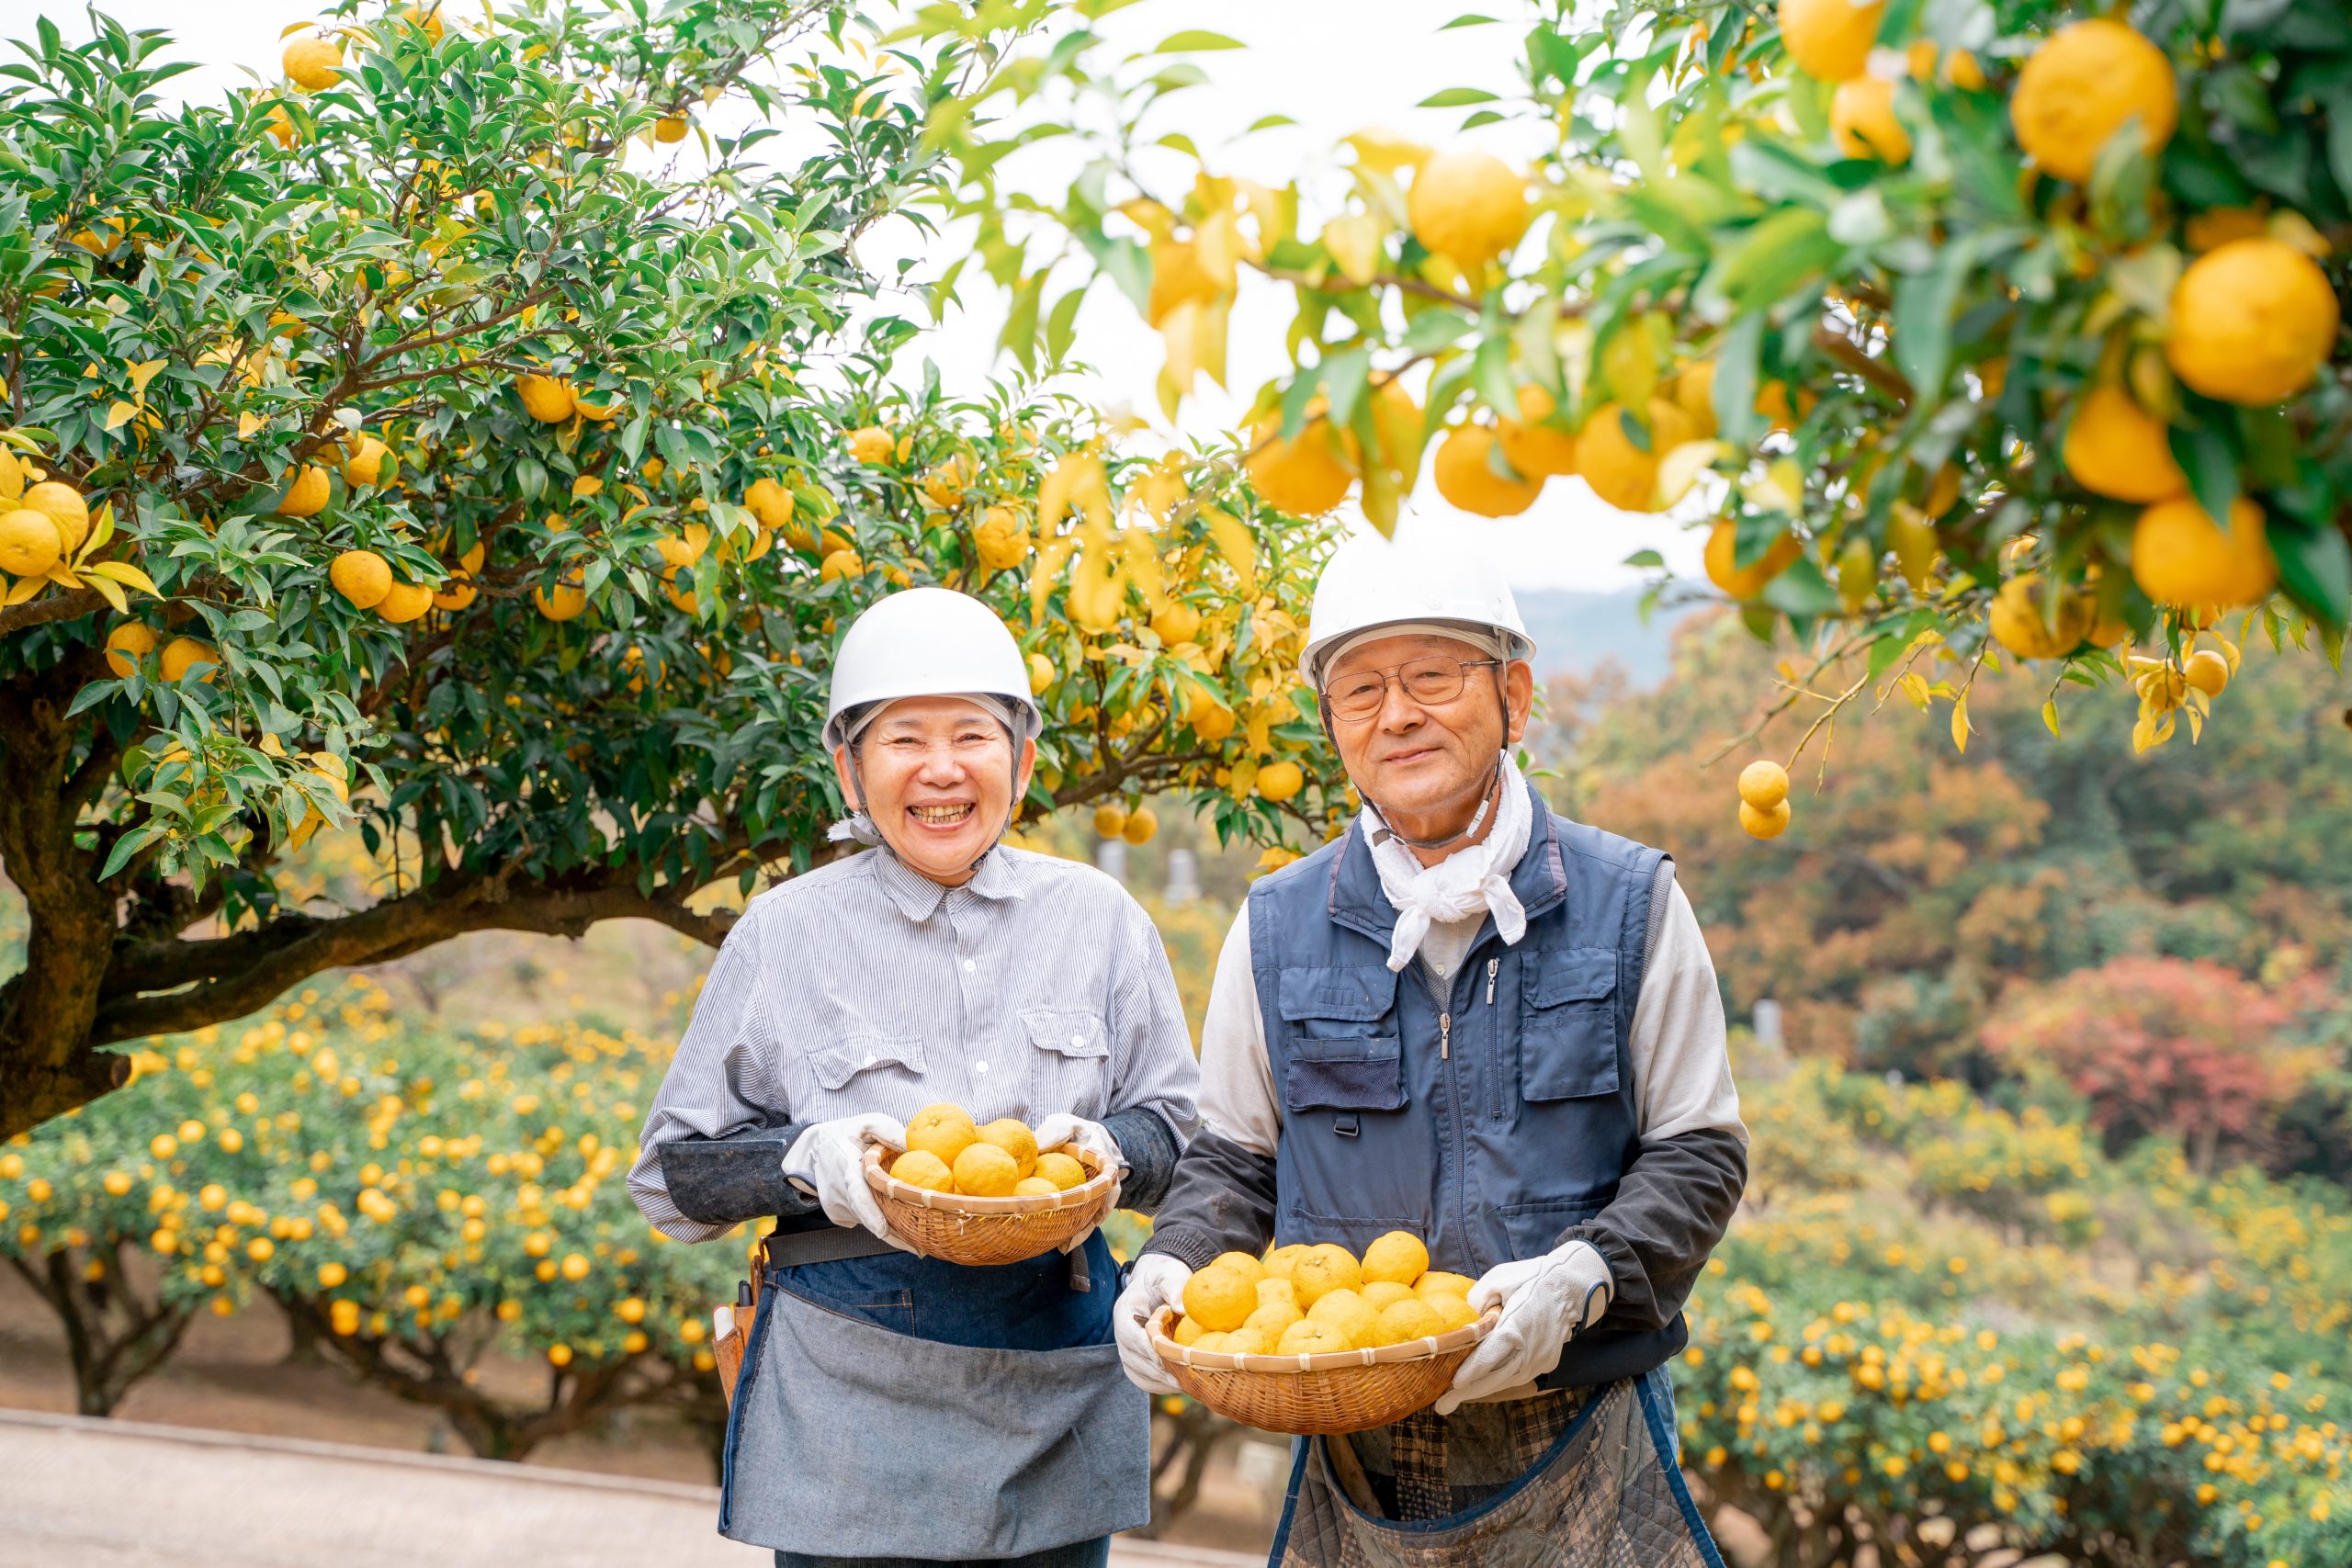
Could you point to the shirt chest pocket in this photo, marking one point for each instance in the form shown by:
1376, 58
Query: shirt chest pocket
1341, 1044
866, 1066
1069, 1061
1567, 1034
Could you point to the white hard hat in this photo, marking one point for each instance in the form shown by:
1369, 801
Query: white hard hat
928, 642
1371, 582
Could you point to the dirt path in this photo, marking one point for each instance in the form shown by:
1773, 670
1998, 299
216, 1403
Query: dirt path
77, 1493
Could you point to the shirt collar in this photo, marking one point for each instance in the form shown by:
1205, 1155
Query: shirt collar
917, 895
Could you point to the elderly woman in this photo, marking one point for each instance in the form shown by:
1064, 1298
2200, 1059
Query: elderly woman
891, 1407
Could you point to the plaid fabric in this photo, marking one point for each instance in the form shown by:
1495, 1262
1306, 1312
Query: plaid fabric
1430, 1466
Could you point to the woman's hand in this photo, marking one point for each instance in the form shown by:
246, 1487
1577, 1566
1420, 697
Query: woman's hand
827, 1161
1157, 1280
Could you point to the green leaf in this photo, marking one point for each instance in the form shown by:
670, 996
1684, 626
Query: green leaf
1923, 312
2209, 455
1649, 558
1468, 20
2315, 568
1457, 97
1433, 329
1195, 41
1344, 375
1268, 122
1734, 392
1802, 590
1061, 326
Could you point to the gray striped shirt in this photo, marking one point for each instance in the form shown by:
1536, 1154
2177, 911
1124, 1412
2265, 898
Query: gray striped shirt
1038, 986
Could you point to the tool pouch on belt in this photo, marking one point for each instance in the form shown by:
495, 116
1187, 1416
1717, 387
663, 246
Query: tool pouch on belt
732, 1326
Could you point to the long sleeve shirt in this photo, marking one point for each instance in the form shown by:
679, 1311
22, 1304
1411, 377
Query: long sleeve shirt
1038, 986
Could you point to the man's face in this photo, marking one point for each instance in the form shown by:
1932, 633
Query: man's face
1424, 761
939, 781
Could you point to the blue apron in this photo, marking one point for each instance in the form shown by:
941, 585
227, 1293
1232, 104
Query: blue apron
904, 1407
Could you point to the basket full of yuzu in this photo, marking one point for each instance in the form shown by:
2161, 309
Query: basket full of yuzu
978, 1194
1312, 1340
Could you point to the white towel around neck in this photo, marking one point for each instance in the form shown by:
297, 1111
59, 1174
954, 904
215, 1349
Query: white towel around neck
1469, 880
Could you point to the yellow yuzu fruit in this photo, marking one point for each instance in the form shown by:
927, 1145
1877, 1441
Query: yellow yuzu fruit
1251, 1269
1324, 1268
1015, 1138
1346, 1311
184, 653
1277, 1288
1041, 674
1830, 38
1247, 1341
1467, 206
872, 446
1745, 582
2251, 321
1063, 1170
311, 63
838, 565
1437, 1281
943, 1130
1453, 1310
1304, 476
1861, 118
1395, 1256
1035, 1186
2114, 447
1309, 1337
1211, 1339
1380, 1294
770, 502
1278, 781
671, 127
404, 602
306, 492
62, 505
1769, 824
1620, 472
1000, 538
562, 601
920, 1167
545, 397
1142, 823
1763, 784
29, 543
2018, 622
1110, 820
984, 1170
2081, 85
1410, 1319
2208, 671
1186, 1332
127, 644
365, 465
1534, 448
2180, 555
1270, 1318
1464, 479
362, 576
1282, 1260
1219, 1298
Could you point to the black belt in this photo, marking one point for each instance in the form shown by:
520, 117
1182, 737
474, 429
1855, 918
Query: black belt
789, 1249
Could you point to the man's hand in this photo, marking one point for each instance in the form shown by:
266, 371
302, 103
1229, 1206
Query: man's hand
827, 1161
1546, 1301
1157, 1280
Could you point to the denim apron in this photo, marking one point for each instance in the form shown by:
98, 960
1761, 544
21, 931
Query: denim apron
1610, 1492
904, 1407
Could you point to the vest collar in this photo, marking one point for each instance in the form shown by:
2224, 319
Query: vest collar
1356, 899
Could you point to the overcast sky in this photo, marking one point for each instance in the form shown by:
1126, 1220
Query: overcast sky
1335, 66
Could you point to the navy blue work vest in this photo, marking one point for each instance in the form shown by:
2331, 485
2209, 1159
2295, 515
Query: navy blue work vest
1485, 1121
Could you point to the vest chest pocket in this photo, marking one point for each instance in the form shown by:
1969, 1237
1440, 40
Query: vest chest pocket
1341, 1046
1568, 1036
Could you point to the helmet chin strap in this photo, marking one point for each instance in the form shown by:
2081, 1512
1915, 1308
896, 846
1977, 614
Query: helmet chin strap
1491, 794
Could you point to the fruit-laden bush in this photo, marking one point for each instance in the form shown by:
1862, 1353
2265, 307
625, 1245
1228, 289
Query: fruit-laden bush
419, 1201
1868, 1364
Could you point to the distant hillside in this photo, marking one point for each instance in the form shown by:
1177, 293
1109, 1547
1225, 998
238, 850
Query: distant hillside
1575, 630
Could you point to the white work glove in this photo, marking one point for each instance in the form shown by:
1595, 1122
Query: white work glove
1157, 1280
1546, 1301
828, 1162
1094, 1138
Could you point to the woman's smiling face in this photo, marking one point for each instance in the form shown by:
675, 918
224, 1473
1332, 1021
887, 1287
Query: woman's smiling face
940, 781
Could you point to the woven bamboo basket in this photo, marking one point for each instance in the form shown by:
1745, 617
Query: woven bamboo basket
988, 1230
1339, 1391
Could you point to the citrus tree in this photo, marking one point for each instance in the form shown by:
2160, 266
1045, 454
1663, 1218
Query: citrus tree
1971, 331
458, 441
423, 1204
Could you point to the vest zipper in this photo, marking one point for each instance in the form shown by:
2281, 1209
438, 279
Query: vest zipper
1492, 965
1444, 1036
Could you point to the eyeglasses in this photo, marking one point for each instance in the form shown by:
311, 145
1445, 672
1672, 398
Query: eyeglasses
1437, 678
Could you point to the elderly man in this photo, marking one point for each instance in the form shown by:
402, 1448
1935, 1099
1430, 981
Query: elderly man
1497, 1029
